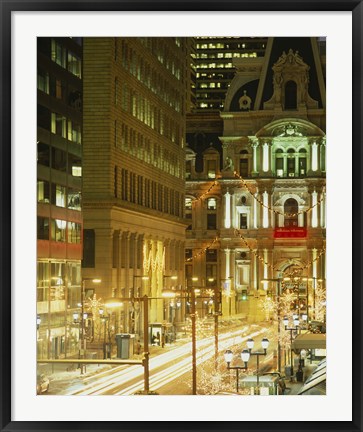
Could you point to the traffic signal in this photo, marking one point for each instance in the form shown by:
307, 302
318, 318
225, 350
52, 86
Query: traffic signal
244, 295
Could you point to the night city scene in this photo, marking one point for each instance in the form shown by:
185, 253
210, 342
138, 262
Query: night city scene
181, 216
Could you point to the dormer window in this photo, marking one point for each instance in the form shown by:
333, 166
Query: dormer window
211, 169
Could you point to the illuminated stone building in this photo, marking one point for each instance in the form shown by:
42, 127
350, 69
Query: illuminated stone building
255, 180
133, 177
59, 170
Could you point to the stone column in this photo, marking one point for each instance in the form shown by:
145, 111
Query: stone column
227, 210
255, 165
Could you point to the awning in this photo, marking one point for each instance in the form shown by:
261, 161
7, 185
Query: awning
316, 383
309, 341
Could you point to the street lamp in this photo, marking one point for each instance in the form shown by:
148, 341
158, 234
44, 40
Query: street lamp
245, 356
105, 319
83, 339
296, 323
250, 344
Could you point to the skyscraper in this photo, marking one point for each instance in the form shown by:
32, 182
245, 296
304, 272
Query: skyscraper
59, 171
133, 177
214, 66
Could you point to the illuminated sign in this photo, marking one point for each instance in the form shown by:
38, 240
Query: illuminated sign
290, 232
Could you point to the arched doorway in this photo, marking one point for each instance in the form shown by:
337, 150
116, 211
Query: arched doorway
291, 209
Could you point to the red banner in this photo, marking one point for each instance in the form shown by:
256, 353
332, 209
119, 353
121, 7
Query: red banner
290, 232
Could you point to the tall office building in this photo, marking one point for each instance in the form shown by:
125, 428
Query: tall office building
255, 182
59, 171
133, 176
214, 66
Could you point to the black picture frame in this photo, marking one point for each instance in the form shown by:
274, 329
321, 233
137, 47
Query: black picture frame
9, 6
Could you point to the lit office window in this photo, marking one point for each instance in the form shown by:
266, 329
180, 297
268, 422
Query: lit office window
74, 64
58, 230
58, 54
43, 81
74, 232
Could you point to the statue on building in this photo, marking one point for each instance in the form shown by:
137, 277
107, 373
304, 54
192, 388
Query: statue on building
228, 164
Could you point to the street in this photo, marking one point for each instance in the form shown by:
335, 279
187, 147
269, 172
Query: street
170, 371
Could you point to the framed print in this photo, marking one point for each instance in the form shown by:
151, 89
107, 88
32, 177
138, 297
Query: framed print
187, 225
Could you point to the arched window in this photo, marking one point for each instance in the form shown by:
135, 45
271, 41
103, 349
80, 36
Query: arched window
290, 95
291, 208
302, 163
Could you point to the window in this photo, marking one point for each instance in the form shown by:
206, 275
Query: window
57, 88
211, 274
302, 163
243, 221
115, 181
42, 228
188, 216
211, 204
59, 125
291, 163
43, 117
279, 163
188, 203
58, 228
211, 221
43, 191
291, 209
211, 169
59, 160
74, 199
74, 132
140, 189
43, 81
74, 232
74, 64
124, 184
243, 168
166, 200
59, 54
58, 195
74, 165
211, 255
43, 154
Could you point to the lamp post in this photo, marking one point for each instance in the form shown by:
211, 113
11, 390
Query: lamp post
296, 322
250, 344
83, 339
105, 320
245, 356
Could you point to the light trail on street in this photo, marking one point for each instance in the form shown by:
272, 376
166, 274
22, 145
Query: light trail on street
114, 382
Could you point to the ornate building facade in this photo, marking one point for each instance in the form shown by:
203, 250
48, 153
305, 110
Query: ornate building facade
255, 182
